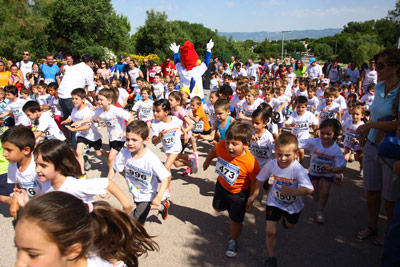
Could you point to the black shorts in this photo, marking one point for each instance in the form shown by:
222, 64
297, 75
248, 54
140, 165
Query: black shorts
95, 144
234, 203
275, 214
117, 145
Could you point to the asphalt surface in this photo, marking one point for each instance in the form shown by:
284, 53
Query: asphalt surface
195, 235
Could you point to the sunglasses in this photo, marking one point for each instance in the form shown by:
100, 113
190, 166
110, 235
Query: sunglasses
26, 54
380, 65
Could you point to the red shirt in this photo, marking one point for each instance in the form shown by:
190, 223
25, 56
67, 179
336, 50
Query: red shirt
167, 68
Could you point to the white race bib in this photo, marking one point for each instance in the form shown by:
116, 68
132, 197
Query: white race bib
318, 162
262, 152
198, 127
32, 188
227, 171
168, 139
138, 174
280, 198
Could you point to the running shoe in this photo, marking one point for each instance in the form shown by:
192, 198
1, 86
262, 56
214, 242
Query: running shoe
187, 172
231, 249
164, 212
339, 177
195, 163
264, 199
270, 262
86, 164
319, 217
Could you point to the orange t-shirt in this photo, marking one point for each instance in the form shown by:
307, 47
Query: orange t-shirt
4, 78
235, 173
203, 118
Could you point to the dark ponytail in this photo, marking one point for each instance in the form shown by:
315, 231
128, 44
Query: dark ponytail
265, 111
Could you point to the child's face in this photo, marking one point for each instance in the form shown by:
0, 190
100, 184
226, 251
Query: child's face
23, 95
138, 82
41, 90
250, 98
35, 90
329, 99
46, 171
357, 115
2, 97
221, 114
170, 87
173, 102
285, 155
278, 83
177, 80
326, 135
13, 154
167, 79
77, 101
372, 91
52, 92
194, 106
258, 124
114, 83
156, 79
145, 95
281, 91
35, 247
301, 108
311, 94
302, 87
213, 98
32, 115
135, 142
235, 148
103, 101
159, 113
352, 90
268, 96
239, 92
10, 96
252, 82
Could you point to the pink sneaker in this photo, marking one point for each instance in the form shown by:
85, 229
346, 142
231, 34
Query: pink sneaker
187, 172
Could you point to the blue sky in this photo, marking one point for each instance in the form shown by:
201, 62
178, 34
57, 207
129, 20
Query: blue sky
253, 15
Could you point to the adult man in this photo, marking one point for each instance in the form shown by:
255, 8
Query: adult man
262, 65
49, 69
119, 68
314, 70
167, 67
334, 72
353, 73
238, 70
232, 62
275, 67
145, 68
25, 65
251, 69
292, 63
77, 76
70, 62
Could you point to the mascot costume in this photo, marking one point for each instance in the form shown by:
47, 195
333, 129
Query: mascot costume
189, 70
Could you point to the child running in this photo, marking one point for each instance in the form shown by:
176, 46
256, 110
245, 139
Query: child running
143, 169
326, 160
290, 184
144, 107
237, 169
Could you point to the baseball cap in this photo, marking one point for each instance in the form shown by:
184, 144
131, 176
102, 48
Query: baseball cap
325, 81
185, 89
121, 56
312, 60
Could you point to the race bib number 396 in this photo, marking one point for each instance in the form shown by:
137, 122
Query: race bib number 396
227, 171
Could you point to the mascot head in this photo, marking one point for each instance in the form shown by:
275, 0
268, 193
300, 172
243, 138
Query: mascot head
189, 56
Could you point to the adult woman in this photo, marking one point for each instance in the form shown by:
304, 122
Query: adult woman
299, 69
368, 76
37, 75
3, 74
379, 179
15, 78
133, 73
103, 72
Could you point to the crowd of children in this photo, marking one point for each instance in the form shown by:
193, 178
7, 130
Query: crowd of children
259, 131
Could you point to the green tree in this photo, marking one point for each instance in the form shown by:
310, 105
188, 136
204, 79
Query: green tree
322, 51
365, 52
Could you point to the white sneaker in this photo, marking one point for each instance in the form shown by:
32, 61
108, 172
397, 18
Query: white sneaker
195, 163
231, 249
264, 199
319, 217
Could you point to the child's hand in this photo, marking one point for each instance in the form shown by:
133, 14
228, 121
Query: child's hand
254, 138
287, 190
63, 122
161, 134
185, 138
241, 116
249, 203
128, 209
205, 165
355, 140
156, 203
70, 128
327, 167
316, 133
22, 196
76, 124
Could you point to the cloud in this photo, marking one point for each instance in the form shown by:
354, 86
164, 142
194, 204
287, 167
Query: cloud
229, 4
274, 3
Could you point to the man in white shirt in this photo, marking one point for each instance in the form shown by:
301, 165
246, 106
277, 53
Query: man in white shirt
70, 62
314, 70
25, 65
238, 71
251, 69
353, 73
77, 76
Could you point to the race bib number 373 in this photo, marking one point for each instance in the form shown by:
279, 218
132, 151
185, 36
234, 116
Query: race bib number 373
227, 171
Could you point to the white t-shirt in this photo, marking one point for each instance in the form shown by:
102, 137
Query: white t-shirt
158, 89
144, 109
345, 117
313, 102
209, 109
300, 93
371, 76
95, 261
263, 148
55, 106
214, 85
320, 94
302, 129
27, 179
122, 95
237, 104
249, 109
334, 74
275, 104
367, 99
49, 127
294, 176
44, 100
349, 133
314, 71
341, 101
133, 75
142, 175
171, 141
15, 108
114, 119
325, 112
291, 77
84, 189
91, 134
354, 74
321, 155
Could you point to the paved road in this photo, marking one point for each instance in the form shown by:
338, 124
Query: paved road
195, 235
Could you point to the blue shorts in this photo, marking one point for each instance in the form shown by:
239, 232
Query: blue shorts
319, 177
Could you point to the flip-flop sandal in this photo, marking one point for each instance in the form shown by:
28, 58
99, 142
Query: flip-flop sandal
364, 234
379, 242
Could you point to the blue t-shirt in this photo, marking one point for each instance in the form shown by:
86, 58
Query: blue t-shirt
49, 72
381, 107
139, 97
120, 67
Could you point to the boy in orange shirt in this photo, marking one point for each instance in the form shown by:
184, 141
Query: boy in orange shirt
237, 169
201, 124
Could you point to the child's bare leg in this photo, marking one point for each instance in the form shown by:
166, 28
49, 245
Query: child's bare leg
301, 155
193, 140
271, 230
324, 194
235, 229
168, 164
347, 154
79, 155
359, 158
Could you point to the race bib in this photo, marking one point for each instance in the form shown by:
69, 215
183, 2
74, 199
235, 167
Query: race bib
227, 171
109, 123
349, 140
168, 139
49, 80
146, 111
138, 174
262, 152
281, 198
198, 127
32, 188
302, 125
327, 115
16, 112
317, 164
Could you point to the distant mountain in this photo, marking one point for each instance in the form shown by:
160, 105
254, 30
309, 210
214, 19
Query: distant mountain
260, 36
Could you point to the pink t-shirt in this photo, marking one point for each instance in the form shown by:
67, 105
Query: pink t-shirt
181, 114
104, 73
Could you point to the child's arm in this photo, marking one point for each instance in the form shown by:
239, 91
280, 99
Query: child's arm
5, 114
158, 198
81, 128
339, 116
210, 157
118, 194
282, 105
157, 139
252, 197
334, 170
189, 124
185, 135
68, 120
210, 136
301, 191
196, 119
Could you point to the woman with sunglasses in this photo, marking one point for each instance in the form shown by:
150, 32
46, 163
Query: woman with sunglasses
368, 76
379, 179
103, 71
